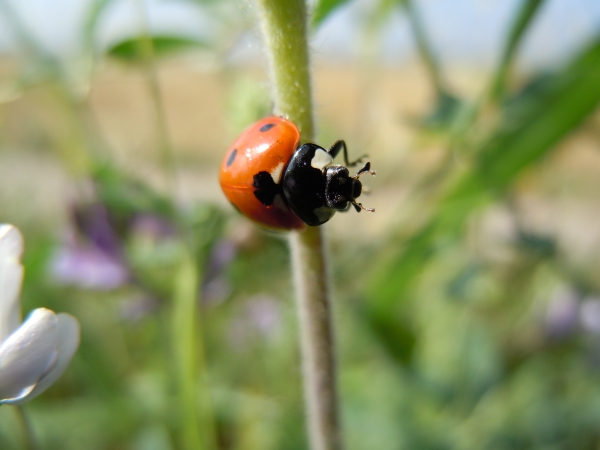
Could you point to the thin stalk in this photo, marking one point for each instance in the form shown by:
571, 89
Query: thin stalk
496, 88
317, 343
29, 440
148, 58
28, 43
84, 128
284, 26
424, 47
519, 26
197, 422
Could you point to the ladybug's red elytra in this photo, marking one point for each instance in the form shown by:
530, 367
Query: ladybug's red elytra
282, 185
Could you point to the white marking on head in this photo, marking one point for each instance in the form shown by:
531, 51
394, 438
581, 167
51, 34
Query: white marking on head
276, 173
321, 159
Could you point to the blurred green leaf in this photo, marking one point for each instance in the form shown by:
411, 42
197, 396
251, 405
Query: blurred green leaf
132, 49
324, 8
521, 23
541, 245
92, 20
126, 196
539, 120
445, 101
458, 286
531, 127
445, 111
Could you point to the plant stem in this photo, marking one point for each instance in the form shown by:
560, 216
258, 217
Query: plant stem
318, 356
190, 367
285, 31
284, 27
29, 441
148, 59
519, 26
496, 88
424, 47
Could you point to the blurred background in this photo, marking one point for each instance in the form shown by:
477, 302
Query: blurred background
467, 308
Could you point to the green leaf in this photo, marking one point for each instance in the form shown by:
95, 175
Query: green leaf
523, 19
444, 114
126, 196
533, 124
324, 8
536, 122
133, 49
94, 15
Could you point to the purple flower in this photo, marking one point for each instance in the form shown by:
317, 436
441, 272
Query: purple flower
152, 226
92, 221
260, 318
88, 267
589, 314
562, 313
216, 287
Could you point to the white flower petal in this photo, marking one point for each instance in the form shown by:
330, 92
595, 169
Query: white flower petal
68, 331
11, 277
11, 242
28, 355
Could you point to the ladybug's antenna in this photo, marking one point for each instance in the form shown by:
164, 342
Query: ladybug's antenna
359, 206
366, 169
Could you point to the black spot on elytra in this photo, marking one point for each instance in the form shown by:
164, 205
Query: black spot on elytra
266, 189
266, 127
231, 157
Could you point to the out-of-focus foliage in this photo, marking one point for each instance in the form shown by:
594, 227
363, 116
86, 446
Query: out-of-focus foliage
324, 8
466, 317
133, 49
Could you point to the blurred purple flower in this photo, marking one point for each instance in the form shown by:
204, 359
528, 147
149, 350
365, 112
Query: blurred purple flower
152, 226
133, 309
562, 313
216, 287
92, 221
91, 256
264, 315
589, 314
259, 317
88, 267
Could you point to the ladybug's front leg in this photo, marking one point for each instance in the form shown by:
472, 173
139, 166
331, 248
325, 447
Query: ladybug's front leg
341, 145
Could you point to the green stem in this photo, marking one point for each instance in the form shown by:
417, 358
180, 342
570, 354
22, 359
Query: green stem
25, 39
84, 131
285, 32
424, 47
190, 366
495, 91
519, 26
29, 441
148, 57
284, 27
318, 355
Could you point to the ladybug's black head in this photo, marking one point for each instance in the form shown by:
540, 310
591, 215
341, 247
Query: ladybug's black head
341, 189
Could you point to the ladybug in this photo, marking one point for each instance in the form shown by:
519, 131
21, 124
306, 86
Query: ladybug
279, 184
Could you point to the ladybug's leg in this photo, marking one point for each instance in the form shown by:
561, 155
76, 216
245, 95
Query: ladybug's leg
341, 145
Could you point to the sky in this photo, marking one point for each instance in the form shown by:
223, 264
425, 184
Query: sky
461, 31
